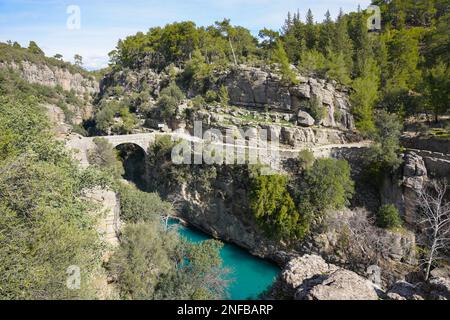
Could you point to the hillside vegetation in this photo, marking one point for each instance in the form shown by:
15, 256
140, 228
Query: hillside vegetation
403, 69
48, 225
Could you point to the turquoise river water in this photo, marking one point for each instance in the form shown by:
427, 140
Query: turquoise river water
250, 275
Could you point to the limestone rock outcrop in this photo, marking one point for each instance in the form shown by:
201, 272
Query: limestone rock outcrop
109, 223
304, 119
310, 277
437, 288
339, 285
262, 88
52, 76
419, 167
133, 81
403, 290
302, 268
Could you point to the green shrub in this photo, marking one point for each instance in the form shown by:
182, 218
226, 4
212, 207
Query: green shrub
306, 159
273, 207
169, 99
326, 185
152, 263
105, 157
211, 96
68, 114
168, 106
198, 102
383, 156
338, 116
388, 217
313, 61
280, 57
76, 128
138, 206
317, 110
224, 97
46, 222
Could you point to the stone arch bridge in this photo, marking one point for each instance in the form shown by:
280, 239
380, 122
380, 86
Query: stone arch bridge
143, 140
82, 145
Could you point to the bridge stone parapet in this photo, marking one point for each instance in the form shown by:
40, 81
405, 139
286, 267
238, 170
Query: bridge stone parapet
143, 140
350, 151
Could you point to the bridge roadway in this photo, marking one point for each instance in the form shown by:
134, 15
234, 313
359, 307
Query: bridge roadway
144, 140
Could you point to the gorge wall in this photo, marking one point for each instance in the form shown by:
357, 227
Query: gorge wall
52, 76
261, 88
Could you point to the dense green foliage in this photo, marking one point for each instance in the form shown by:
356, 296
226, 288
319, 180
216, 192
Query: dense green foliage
403, 68
138, 206
388, 217
33, 54
306, 159
108, 115
45, 223
105, 157
280, 57
273, 206
383, 156
153, 263
176, 43
325, 184
169, 100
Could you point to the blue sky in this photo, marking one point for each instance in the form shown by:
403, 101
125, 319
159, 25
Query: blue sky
103, 22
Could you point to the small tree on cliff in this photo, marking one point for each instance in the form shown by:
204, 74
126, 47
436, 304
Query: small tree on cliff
34, 48
434, 209
273, 207
280, 57
78, 60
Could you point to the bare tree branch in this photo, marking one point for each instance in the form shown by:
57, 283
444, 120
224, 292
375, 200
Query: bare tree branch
434, 209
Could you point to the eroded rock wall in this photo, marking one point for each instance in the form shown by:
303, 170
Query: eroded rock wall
261, 88
53, 76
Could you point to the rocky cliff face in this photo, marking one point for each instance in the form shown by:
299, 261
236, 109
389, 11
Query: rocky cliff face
309, 277
52, 76
419, 167
258, 97
75, 85
260, 88
350, 239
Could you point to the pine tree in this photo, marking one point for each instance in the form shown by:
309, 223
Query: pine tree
34, 48
292, 38
364, 96
286, 28
327, 31
361, 40
404, 57
280, 57
342, 44
310, 31
437, 89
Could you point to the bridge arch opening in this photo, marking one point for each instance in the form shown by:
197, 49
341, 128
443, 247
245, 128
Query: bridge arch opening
133, 158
